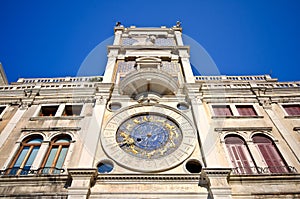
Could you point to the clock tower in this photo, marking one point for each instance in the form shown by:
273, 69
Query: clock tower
148, 134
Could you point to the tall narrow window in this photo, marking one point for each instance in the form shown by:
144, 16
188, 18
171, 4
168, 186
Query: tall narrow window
222, 110
25, 156
270, 154
292, 109
239, 155
56, 155
246, 110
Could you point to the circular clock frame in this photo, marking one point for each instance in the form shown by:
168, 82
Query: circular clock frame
183, 149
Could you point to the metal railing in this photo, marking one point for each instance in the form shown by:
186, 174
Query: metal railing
17, 171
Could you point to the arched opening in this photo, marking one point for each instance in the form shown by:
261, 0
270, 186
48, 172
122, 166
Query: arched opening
239, 155
270, 153
25, 156
56, 155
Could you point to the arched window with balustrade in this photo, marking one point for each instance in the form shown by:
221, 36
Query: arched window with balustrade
56, 155
25, 156
271, 156
239, 155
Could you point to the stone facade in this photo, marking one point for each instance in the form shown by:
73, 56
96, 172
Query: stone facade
149, 128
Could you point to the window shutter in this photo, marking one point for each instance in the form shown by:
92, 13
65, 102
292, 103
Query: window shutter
239, 155
246, 110
292, 109
222, 110
270, 154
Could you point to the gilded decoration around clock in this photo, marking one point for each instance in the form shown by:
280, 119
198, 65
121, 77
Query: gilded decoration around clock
148, 138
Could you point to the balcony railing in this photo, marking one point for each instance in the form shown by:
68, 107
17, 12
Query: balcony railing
263, 170
17, 171
50, 170
246, 170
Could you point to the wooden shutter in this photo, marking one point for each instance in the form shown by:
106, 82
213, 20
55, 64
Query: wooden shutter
292, 109
239, 155
246, 110
222, 110
270, 154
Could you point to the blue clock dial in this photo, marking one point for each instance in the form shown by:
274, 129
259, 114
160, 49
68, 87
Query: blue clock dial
149, 136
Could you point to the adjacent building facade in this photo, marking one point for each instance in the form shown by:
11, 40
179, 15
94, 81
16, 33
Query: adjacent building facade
149, 128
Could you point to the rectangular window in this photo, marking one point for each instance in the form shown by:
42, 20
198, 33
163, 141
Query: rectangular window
222, 110
72, 110
2, 109
48, 110
246, 110
292, 109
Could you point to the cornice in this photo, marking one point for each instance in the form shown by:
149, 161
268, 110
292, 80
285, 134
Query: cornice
178, 178
244, 129
52, 129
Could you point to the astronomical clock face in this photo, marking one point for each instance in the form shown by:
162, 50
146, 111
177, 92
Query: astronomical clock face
149, 136
148, 139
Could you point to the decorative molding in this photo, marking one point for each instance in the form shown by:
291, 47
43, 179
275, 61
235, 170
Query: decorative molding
220, 172
82, 172
244, 129
52, 129
56, 118
237, 117
150, 177
264, 178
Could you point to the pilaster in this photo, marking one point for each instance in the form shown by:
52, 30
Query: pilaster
90, 135
186, 65
82, 180
11, 125
208, 136
110, 66
218, 182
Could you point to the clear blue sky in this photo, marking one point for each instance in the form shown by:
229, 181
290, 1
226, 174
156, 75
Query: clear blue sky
52, 38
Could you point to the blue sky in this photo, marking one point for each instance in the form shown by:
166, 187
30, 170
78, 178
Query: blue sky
52, 38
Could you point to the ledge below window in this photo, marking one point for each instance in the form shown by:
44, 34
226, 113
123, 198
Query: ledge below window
56, 118
236, 117
292, 116
296, 128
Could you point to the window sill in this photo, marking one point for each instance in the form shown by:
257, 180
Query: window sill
236, 117
292, 116
296, 128
56, 118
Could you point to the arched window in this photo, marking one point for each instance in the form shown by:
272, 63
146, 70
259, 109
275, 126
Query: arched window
239, 155
269, 152
56, 155
25, 156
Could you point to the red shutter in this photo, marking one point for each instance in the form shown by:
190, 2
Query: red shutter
222, 110
292, 109
239, 155
270, 154
246, 110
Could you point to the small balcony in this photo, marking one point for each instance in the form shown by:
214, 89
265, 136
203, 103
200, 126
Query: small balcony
149, 80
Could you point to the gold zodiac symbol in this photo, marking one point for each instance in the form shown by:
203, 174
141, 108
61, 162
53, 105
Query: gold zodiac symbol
150, 154
163, 150
136, 121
